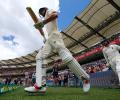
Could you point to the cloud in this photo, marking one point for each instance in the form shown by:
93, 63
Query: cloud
18, 37
10, 39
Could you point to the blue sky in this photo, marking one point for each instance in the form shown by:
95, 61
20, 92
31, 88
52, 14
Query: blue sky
69, 9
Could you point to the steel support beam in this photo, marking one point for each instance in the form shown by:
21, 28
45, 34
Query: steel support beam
74, 39
114, 5
89, 27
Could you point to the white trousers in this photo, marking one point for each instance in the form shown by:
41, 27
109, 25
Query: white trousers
55, 41
115, 65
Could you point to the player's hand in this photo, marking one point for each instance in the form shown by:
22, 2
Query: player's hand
39, 25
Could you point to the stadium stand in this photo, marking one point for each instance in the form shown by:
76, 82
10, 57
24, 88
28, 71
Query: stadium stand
84, 37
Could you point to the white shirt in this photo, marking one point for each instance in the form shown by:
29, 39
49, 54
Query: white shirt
51, 27
111, 52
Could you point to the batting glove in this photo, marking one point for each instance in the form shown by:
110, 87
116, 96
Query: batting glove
39, 25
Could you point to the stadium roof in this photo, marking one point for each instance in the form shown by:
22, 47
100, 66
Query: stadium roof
98, 21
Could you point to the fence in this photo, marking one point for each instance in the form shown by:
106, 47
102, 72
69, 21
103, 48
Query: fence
104, 79
99, 79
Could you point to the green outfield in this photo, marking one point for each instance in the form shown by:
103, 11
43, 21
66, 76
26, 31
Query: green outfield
64, 94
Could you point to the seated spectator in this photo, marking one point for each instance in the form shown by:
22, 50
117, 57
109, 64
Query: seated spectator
65, 82
55, 74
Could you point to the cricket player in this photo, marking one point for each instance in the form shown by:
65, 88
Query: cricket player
112, 57
54, 42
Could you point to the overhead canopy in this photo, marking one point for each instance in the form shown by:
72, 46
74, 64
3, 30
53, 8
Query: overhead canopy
100, 20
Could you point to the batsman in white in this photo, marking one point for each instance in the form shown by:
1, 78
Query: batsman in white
55, 42
112, 56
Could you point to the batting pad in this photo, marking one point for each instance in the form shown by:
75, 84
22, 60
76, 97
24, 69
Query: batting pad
72, 63
77, 69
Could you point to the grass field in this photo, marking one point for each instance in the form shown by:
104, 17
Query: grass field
64, 94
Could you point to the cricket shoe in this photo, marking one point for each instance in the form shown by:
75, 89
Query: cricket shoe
35, 89
86, 86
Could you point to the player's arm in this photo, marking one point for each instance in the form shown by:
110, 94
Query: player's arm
106, 58
50, 18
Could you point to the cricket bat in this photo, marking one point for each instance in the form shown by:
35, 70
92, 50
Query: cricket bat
35, 19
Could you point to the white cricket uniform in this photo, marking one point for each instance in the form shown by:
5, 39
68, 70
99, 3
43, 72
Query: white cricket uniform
55, 42
112, 56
